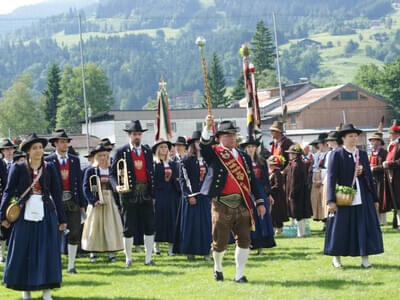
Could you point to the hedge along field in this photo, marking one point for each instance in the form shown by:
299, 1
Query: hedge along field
295, 269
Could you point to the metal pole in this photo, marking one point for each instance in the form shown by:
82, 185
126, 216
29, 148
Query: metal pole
277, 62
344, 117
83, 84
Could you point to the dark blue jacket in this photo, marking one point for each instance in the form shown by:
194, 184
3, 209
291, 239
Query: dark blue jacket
265, 178
159, 175
19, 181
341, 169
217, 173
90, 196
75, 177
192, 167
125, 151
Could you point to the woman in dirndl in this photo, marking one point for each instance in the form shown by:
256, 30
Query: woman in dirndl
195, 223
102, 231
263, 236
166, 194
352, 230
34, 259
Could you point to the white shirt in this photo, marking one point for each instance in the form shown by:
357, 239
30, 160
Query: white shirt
138, 150
60, 158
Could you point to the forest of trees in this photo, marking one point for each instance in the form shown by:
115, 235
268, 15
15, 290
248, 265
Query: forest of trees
134, 64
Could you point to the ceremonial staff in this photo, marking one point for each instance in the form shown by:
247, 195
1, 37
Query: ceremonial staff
201, 41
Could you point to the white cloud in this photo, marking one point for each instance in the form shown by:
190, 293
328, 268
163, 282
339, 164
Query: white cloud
8, 6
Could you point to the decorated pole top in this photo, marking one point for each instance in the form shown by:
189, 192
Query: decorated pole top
162, 84
200, 41
244, 51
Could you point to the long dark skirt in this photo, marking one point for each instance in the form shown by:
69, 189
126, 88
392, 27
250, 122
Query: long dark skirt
195, 227
354, 230
166, 210
34, 258
263, 236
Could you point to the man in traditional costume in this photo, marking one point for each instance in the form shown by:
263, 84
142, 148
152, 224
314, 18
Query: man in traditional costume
69, 174
137, 198
280, 143
230, 181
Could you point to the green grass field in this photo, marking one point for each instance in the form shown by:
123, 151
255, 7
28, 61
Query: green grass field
295, 269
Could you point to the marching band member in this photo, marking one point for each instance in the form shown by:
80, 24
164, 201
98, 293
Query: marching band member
7, 148
19, 156
352, 230
167, 194
296, 189
280, 142
69, 173
4, 232
377, 157
34, 258
137, 190
230, 181
102, 231
392, 171
195, 223
263, 236
279, 212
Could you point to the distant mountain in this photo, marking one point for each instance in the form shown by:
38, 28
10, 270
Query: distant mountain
32, 13
138, 41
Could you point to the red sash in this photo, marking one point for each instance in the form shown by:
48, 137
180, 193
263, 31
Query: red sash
239, 174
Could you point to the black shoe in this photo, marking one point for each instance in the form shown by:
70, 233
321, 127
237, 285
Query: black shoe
128, 264
150, 263
72, 271
112, 259
218, 276
2, 260
190, 257
242, 279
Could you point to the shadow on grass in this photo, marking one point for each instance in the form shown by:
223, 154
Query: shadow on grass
98, 298
323, 283
377, 267
84, 283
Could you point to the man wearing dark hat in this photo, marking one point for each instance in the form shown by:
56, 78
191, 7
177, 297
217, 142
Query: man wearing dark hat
68, 168
7, 148
392, 169
137, 198
230, 181
319, 172
280, 143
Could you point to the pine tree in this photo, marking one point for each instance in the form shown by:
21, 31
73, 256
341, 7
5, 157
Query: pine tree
216, 83
51, 96
263, 50
238, 91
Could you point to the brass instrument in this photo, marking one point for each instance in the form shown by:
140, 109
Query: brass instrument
122, 176
96, 188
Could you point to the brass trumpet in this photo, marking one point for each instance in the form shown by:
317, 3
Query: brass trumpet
122, 176
96, 188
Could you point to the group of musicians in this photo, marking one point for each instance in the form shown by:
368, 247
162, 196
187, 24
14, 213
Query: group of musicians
197, 194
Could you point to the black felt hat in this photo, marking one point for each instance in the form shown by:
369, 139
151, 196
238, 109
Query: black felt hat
348, 128
18, 155
32, 139
180, 140
159, 142
196, 135
59, 134
134, 126
250, 140
99, 148
321, 138
226, 127
6, 143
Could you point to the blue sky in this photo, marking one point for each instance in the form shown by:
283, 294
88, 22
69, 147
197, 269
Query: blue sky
8, 6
